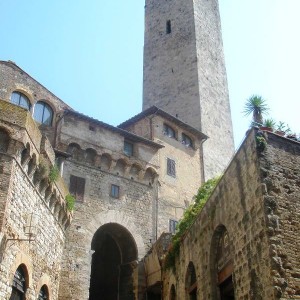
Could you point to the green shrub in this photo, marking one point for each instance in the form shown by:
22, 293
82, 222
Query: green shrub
70, 200
54, 173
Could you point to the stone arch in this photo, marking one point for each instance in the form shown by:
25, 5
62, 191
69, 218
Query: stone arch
150, 175
114, 263
120, 166
4, 140
75, 150
221, 265
25, 154
32, 164
44, 281
114, 216
24, 260
90, 156
191, 282
135, 171
105, 161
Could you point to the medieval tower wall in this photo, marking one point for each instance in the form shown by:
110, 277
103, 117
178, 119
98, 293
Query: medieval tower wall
184, 72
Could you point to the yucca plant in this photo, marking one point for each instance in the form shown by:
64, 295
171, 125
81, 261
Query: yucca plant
256, 106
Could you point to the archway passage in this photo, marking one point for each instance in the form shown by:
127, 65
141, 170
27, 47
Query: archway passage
113, 263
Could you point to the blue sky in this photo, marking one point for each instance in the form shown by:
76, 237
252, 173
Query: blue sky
90, 53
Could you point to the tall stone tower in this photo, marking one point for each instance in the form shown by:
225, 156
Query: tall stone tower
185, 75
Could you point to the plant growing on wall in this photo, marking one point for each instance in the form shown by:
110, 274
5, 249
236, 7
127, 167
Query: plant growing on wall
188, 219
54, 173
70, 201
256, 106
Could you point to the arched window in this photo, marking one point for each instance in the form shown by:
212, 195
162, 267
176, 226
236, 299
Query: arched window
43, 113
169, 131
19, 285
186, 140
4, 140
20, 100
43, 294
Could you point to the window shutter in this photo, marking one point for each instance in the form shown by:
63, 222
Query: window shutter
77, 185
171, 167
80, 189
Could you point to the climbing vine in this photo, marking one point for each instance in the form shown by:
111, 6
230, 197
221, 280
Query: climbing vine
188, 219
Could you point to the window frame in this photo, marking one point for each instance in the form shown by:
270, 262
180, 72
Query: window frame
115, 191
20, 97
77, 187
128, 148
169, 131
187, 140
171, 167
172, 225
41, 120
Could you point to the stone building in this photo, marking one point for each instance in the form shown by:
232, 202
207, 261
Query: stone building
133, 182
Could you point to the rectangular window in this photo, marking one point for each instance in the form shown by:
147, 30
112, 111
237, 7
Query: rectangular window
172, 226
77, 185
168, 27
171, 167
115, 191
128, 148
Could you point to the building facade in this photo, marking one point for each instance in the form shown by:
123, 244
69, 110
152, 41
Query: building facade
132, 183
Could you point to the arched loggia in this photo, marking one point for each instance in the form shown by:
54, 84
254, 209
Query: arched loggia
113, 263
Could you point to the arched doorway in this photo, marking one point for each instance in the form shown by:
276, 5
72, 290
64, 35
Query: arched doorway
191, 282
113, 263
222, 265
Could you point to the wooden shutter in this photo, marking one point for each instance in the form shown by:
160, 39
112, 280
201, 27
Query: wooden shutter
77, 185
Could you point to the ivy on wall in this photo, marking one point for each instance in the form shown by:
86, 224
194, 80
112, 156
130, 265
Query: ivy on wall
188, 219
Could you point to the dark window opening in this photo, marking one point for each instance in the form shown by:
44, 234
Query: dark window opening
115, 191
171, 167
186, 140
43, 294
43, 113
169, 131
92, 128
18, 285
168, 27
172, 226
77, 185
128, 148
20, 100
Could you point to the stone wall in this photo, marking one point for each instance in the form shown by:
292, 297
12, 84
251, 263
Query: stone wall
27, 197
256, 201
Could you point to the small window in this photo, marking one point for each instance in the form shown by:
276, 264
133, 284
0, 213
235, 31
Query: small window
115, 191
128, 148
77, 185
172, 226
43, 113
169, 131
20, 100
43, 294
186, 140
171, 167
92, 128
168, 27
